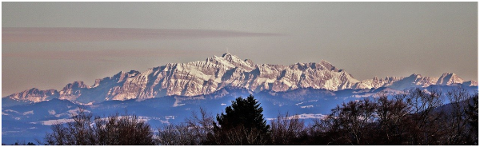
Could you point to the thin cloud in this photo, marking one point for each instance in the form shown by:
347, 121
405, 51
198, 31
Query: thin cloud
96, 55
32, 34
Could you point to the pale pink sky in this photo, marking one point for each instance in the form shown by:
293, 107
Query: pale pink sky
48, 45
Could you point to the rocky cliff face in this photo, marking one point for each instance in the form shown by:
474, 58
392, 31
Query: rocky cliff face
215, 73
205, 77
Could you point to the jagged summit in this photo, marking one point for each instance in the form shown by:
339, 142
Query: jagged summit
233, 61
214, 73
414, 80
34, 95
227, 54
449, 78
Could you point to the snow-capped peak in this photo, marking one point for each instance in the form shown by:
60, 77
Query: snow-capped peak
328, 65
75, 85
414, 80
206, 77
228, 55
34, 95
232, 61
449, 78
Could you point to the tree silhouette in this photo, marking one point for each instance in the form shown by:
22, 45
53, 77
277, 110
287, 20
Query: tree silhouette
415, 117
472, 119
242, 123
113, 130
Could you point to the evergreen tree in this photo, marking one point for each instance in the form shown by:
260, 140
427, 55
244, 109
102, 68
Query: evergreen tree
242, 123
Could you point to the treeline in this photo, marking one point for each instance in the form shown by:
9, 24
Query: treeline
113, 130
416, 117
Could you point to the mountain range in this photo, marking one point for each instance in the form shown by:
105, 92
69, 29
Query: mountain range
169, 93
209, 76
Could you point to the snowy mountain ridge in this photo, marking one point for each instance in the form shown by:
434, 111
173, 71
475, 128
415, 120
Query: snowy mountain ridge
206, 77
414, 80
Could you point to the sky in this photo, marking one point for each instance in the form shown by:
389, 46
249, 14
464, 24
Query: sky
48, 45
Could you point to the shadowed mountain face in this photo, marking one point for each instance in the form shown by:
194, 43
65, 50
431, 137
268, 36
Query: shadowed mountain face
215, 73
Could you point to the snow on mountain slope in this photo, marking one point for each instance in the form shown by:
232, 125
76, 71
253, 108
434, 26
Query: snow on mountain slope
449, 78
214, 73
414, 80
34, 95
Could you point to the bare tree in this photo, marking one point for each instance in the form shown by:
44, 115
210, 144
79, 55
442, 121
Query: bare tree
179, 134
472, 119
454, 122
193, 132
323, 131
78, 132
239, 135
287, 129
414, 117
352, 121
422, 120
200, 125
113, 130
391, 114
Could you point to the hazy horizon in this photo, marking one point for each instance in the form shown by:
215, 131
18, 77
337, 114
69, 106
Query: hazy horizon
48, 45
